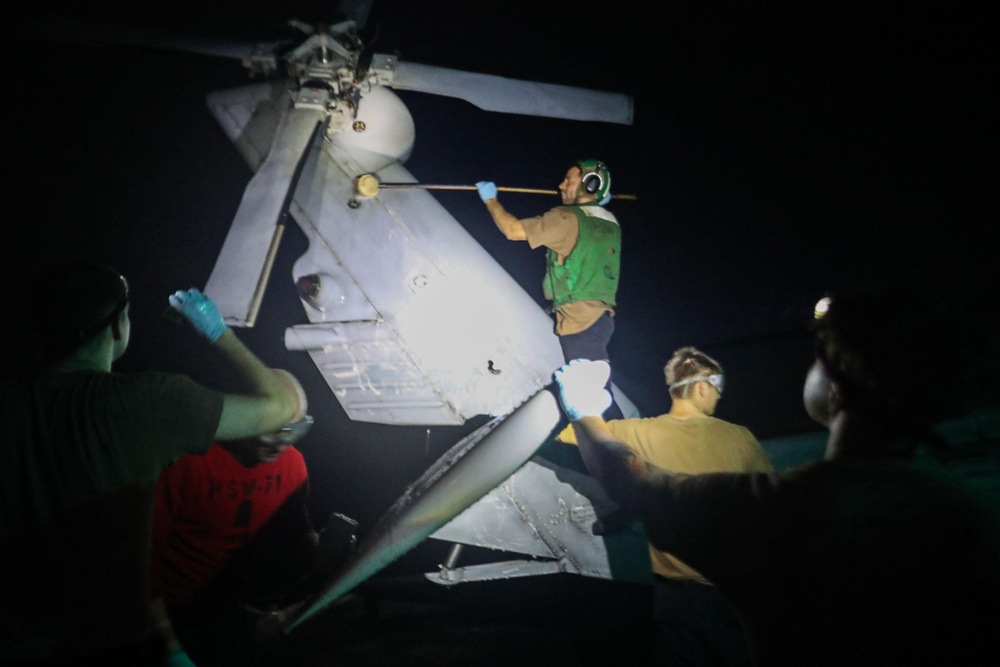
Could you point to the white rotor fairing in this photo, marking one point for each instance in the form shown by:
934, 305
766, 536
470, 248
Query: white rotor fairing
380, 134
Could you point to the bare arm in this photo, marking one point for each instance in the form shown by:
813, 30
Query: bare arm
271, 401
163, 627
620, 472
638, 486
505, 222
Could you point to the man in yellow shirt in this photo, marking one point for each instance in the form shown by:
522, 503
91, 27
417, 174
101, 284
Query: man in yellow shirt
887, 550
695, 624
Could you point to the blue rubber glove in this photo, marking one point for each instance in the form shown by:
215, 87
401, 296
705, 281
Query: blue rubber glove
606, 200
487, 190
178, 658
581, 388
200, 311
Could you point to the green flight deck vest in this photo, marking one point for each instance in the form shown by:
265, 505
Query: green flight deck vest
590, 272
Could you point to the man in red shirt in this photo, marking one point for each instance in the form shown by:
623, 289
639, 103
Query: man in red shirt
231, 532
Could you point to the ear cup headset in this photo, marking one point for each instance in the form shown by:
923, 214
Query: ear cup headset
595, 178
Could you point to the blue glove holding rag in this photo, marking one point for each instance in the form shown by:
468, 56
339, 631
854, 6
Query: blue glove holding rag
487, 190
200, 311
581, 388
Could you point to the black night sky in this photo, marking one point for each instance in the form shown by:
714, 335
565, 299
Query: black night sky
778, 151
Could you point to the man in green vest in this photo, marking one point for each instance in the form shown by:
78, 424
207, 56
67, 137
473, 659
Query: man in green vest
583, 256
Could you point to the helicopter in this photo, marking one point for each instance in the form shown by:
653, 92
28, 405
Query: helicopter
390, 342
410, 320
422, 327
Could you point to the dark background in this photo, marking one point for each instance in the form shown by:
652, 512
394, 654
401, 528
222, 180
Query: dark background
777, 152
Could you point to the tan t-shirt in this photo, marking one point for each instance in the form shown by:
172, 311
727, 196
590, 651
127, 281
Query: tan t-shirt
692, 446
558, 229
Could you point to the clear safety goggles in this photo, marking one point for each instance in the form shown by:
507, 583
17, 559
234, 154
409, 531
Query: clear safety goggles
717, 380
289, 433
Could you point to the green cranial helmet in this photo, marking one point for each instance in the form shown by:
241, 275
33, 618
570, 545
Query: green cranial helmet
595, 178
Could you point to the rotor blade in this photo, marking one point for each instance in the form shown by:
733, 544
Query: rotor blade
460, 477
531, 98
355, 10
243, 266
104, 34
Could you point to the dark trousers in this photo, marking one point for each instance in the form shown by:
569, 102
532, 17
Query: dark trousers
219, 635
592, 343
695, 624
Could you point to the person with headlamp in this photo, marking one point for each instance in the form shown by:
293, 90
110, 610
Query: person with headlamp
881, 553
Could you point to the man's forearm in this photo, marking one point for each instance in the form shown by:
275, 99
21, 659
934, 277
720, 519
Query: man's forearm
619, 471
638, 486
509, 225
259, 379
163, 627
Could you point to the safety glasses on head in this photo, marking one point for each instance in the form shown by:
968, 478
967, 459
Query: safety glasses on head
289, 433
717, 380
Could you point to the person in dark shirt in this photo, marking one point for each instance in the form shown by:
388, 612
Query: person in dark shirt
879, 554
83, 447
